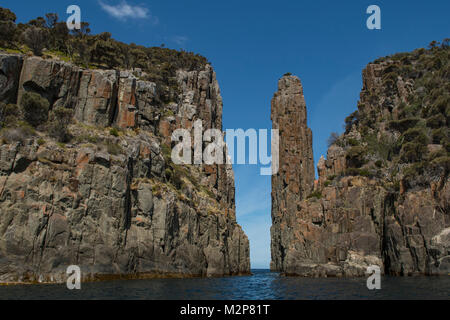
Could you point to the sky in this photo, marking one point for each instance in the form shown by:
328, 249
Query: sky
251, 44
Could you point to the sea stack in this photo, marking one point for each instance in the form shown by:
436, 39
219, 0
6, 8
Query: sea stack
295, 180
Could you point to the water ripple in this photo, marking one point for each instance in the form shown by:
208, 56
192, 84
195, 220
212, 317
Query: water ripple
263, 285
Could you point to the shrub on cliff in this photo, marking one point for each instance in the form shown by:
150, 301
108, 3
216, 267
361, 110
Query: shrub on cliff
60, 119
114, 132
411, 174
177, 179
351, 120
355, 157
437, 154
413, 152
416, 134
408, 111
9, 115
442, 162
439, 102
174, 174
315, 195
382, 147
404, 124
439, 136
436, 121
34, 108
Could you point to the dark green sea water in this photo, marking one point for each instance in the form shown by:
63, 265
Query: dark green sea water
262, 285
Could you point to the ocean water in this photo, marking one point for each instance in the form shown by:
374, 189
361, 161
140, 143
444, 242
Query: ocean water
262, 285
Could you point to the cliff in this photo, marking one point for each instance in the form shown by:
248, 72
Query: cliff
108, 198
382, 197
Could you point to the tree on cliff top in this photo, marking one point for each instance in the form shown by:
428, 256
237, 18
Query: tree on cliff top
7, 15
7, 27
35, 38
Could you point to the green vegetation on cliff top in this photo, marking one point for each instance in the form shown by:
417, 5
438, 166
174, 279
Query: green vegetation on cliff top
398, 135
49, 37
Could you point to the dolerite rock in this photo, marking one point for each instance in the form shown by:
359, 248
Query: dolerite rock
115, 205
10, 66
91, 93
295, 179
375, 212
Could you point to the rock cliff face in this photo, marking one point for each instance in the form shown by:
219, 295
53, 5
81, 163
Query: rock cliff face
375, 202
111, 200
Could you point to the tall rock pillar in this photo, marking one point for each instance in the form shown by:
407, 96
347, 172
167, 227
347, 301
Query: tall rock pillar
295, 179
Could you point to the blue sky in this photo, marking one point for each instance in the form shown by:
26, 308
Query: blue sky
251, 44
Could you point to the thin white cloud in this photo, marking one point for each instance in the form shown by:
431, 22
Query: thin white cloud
180, 40
124, 11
